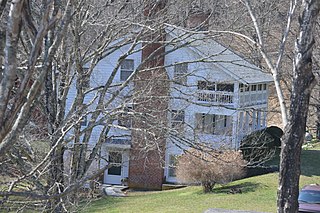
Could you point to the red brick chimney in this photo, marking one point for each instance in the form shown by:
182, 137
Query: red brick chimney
151, 91
197, 18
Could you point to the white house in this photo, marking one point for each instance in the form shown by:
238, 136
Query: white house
214, 97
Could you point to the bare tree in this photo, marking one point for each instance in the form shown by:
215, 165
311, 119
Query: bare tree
52, 50
303, 82
294, 118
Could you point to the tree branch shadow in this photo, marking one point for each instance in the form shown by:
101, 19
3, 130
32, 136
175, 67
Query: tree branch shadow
239, 188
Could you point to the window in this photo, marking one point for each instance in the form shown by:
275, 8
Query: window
259, 87
223, 125
206, 85
83, 121
214, 124
253, 87
225, 121
225, 87
126, 69
180, 73
264, 86
173, 160
115, 161
177, 119
124, 118
85, 79
205, 123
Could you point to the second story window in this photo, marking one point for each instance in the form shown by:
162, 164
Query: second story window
206, 85
83, 121
180, 73
225, 87
126, 69
85, 79
124, 118
177, 120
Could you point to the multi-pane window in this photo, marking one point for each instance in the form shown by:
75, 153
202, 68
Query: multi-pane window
177, 119
205, 123
223, 125
173, 159
115, 162
225, 87
214, 124
213, 86
252, 87
206, 85
126, 69
83, 121
180, 73
124, 118
85, 79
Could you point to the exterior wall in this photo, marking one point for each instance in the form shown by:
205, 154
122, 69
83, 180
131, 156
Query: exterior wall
99, 77
185, 98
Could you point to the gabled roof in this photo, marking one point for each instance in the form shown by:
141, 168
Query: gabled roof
221, 57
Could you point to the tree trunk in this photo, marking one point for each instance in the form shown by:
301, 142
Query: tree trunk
303, 82
207, 186
318, 118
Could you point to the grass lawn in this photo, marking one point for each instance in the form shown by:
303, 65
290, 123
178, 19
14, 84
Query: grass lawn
258, 193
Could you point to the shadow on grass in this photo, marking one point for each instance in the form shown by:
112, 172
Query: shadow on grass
100, 204
239, 188
310, 161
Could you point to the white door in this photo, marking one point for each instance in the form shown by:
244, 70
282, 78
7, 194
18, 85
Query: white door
118, 161
113, 174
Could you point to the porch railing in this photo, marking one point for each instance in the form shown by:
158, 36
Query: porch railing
216, 97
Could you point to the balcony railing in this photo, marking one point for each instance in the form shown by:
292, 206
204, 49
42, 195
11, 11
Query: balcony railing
216, 97
221, 97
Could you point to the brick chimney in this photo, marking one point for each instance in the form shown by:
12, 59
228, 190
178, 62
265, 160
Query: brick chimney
151, 102
197, 18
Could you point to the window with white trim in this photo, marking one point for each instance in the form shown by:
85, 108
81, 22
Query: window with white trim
214, 124
115, 162
85, 79
124, 118
205, 123
126, 69
223, 125
177, 120
83, 121
180, 73
225, 87
172, 165
206, 85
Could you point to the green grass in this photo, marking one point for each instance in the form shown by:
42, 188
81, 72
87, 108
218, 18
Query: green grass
258, 194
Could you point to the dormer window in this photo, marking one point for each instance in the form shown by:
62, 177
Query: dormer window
180, 73
126, 69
